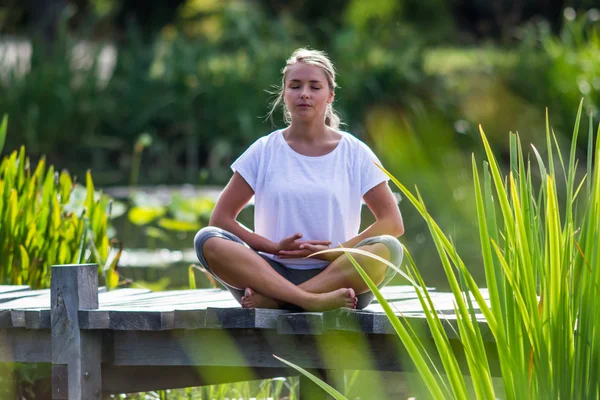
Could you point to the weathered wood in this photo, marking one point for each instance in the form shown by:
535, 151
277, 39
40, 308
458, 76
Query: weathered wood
345, 319
169, 335
300, 323
254, 348
141, 320
13, 288
14, 295
74, 288
6, 319
242, 318
40, 301
18, 318
24, 345
37, 319
189, 319
60, 382
93, 319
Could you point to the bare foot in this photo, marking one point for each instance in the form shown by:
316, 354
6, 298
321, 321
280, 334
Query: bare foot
251, 299
332, 300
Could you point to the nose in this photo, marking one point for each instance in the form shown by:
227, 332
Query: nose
304, 94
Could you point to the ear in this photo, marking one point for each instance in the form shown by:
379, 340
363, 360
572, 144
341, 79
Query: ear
331, 97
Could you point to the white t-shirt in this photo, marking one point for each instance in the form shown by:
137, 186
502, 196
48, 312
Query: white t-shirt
319, 197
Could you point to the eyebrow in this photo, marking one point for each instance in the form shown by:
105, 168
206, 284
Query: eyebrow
298, 80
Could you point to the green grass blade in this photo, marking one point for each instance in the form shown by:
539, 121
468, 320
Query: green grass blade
330, 390
421, 364
3, 129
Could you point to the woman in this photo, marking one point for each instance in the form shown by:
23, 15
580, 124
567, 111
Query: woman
308, 181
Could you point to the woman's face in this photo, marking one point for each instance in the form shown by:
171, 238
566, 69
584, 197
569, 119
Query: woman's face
306, 92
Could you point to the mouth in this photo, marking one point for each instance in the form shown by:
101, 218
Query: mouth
303, 105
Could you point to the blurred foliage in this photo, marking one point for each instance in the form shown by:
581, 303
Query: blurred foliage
196, 89
557, 71
199, 89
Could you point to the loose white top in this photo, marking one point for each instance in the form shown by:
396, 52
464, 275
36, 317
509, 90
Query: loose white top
319, 197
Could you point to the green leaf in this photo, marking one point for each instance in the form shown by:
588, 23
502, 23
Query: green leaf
179, 226
141, 215
331, 391
24, 262
157, 233
192, 277
65, 187
3, 129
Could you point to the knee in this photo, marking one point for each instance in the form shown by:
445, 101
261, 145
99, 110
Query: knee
394, 247
212, 247
203, 244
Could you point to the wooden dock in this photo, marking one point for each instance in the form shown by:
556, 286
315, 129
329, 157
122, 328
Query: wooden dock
130, 340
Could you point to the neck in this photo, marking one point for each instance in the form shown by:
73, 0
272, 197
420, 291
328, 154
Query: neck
308, 131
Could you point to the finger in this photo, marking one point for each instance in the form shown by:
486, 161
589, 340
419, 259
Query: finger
321, 242
294, 237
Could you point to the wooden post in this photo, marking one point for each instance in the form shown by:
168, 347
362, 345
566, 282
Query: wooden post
76, 352
310, 390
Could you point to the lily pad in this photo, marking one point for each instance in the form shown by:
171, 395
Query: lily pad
176, 225
141, 215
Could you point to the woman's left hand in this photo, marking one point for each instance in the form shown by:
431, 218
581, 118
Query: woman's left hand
306, 250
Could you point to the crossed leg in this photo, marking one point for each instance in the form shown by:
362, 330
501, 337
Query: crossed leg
339, 274
241, 267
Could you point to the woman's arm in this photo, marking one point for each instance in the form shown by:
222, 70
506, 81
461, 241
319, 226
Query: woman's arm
235, 196
384, 207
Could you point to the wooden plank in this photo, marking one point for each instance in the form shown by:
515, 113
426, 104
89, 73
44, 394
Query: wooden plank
74, 288
310, 323
178, 299
93, 319
141, 320
60, 382
344, 319
189, 319
40, 301
17, 318
242, 318
5, 319
37, 319
254, 348
13, 288
4, 297
120, 295
24, 345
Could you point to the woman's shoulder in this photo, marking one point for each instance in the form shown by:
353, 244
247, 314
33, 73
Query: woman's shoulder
355, 144
267, 140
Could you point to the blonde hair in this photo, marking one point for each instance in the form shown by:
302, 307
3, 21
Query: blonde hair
310, 57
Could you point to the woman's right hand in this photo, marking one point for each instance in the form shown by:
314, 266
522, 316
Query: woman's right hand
293, 243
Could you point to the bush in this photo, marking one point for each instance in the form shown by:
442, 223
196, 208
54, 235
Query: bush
199, 89
41, 223
556, 72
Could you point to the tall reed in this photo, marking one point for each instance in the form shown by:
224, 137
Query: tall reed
540, 248
40, 224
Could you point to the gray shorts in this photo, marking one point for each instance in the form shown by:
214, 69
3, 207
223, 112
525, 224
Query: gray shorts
298, 276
